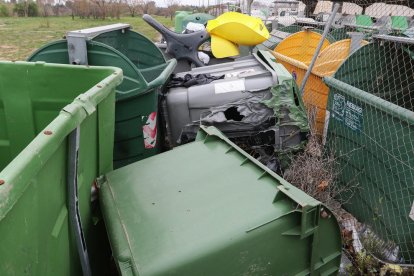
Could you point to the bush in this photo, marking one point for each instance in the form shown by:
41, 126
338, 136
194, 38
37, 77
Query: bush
25, 8
4, 11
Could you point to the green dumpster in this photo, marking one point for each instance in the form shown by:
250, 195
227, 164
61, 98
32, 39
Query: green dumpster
211, 209
371, 131
178, 20
40, 105
200, 18
145, 70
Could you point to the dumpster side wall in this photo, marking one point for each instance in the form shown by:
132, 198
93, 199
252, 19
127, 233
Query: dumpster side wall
379, 163
371, 127
36, 239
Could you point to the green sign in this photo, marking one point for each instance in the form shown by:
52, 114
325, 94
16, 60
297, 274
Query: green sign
345, 111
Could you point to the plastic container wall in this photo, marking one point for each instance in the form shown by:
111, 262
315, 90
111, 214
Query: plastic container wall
212, 209
40, 105
145, 70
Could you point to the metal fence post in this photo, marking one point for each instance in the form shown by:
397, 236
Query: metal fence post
318, 49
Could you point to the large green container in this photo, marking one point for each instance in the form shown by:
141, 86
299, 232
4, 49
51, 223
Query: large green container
40, 105
209, 208
178, 20
371, 130
145, 70
200, 18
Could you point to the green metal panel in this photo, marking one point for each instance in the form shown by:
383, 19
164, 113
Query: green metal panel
371, 130
399, 23
209, 208
40, 104
145, 72
364, 20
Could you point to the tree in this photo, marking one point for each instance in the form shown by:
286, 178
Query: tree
147, 6
114, 8
56, 8
172, 7
33, 10
310, 6
101, 4
26, 8
133, 6
45, 7
70, 5
81, 8
21, 8
140, 6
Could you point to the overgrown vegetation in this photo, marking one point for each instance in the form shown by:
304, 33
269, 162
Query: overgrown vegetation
315, 171
363, 264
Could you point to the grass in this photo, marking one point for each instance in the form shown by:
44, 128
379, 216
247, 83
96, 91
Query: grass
19, 37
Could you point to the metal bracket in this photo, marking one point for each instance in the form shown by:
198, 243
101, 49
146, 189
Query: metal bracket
405, 40
307, 28
315, 23
77, 48
356, 39
372, 28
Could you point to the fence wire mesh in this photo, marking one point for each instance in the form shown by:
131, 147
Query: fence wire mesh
360, 101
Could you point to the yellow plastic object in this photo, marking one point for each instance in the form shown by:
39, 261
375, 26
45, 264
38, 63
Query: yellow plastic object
236, 28
316, 92
332, 57
222, 48
301, 45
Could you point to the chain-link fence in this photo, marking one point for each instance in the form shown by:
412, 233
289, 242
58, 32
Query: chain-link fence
359, 92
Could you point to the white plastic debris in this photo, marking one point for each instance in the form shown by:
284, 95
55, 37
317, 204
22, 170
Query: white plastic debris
194, 27
356, 243
350, 224
204, 57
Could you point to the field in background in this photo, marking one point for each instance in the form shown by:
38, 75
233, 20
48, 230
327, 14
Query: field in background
19, 37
